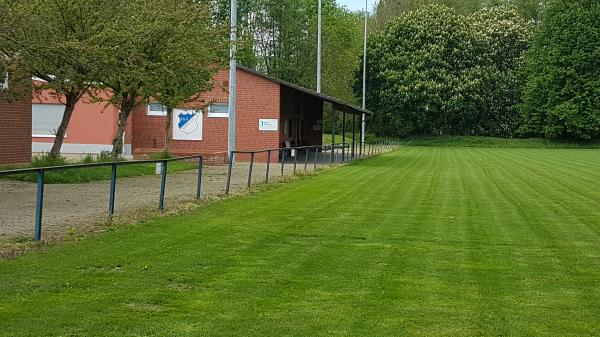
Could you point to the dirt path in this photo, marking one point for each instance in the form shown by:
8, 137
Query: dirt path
80, 208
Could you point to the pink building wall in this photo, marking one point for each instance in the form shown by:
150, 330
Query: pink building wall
91, 129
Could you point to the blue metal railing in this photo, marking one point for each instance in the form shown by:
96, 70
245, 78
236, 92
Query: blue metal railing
335, 151
363, 150
41, 171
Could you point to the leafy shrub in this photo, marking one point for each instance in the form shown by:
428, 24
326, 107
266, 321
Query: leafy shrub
161, 155
46, 160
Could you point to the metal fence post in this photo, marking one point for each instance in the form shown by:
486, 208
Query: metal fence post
229, 168
250, 169
349, 156
323, 150
295, 160
199, 186
163, 185
353, 136
268, 166
306, 159
37, 236
112, 190
344, 135
316, 157
335, 154
331, 157
364, 150
283, 161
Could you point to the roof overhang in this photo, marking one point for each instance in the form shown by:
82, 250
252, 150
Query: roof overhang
337, 103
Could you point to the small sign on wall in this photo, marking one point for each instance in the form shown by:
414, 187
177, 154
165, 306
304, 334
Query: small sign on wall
268, 124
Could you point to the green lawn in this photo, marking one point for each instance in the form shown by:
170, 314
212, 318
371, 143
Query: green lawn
425, 241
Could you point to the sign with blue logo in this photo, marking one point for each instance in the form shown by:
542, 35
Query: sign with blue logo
268, 125
187, 124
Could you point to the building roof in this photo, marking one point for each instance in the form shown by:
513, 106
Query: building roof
341, 105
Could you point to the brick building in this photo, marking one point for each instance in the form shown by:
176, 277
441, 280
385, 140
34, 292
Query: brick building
15, 114
270, 113
91, 128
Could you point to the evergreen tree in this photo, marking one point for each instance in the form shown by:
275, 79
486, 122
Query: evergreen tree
562, 96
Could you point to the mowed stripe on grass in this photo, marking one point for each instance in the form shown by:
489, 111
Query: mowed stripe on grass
424, 241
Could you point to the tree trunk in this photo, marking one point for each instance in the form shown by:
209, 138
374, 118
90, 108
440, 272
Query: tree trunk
168, 130
126, 106
71, 100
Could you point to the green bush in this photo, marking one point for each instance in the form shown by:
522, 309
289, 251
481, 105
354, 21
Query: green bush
46, 160
562, 95
161, 155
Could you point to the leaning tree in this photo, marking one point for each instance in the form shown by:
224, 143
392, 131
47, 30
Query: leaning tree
57, 42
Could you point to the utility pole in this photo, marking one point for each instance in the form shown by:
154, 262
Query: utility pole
364, 84
232, 80
319, 36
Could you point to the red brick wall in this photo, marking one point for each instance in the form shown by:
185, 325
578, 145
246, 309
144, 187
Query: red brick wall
15, 136
256, 98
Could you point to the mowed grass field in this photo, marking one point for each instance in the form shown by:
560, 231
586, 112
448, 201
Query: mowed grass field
425, 241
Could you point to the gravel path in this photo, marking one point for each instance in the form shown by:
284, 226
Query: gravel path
77, 208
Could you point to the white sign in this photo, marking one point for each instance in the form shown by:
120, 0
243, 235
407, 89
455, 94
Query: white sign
187, 124
268, 124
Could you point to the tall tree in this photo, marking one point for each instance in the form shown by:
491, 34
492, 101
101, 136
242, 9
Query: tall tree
435, 71
507, 37
387, 10
55, 40
562, 96
187, 74
150, 44
281, 34
342, 46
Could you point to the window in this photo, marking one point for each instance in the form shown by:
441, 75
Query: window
45, 119
218, 110
4, 81
156, 109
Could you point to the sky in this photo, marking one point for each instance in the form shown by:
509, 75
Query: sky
356, 5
